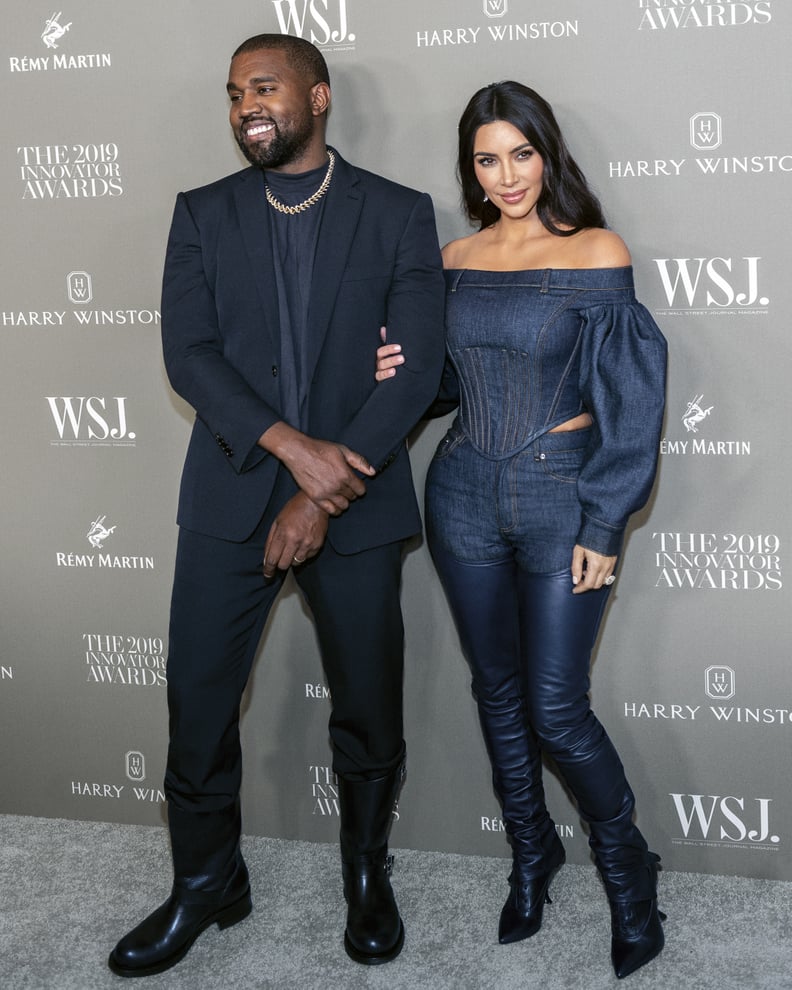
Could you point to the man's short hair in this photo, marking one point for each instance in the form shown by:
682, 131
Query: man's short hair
304, 57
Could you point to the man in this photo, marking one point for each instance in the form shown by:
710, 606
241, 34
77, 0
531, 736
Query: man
277, 280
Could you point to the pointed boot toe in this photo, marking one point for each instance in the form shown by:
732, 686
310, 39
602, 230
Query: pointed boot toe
637, 935
521, 916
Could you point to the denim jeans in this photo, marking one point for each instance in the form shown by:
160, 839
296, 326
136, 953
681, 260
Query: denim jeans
525, 506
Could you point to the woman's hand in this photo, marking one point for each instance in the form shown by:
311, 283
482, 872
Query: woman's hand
389, 357
590, 570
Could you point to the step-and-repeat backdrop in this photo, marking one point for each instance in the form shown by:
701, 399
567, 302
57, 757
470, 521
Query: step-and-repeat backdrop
679, 113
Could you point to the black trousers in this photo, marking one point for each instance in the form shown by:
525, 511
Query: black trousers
219, 609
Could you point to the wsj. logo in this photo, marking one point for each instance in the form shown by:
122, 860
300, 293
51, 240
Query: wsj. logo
90, 419
717, 280
496, 8
135, 766
723, 817
705, 131
54, 31
315, 15
719, 683
79, 287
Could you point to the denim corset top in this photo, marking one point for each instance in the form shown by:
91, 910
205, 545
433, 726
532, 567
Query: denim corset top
525, 346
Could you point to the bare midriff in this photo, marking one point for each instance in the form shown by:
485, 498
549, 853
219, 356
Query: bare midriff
578, 423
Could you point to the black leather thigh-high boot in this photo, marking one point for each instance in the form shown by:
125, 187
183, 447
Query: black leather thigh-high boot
537, 851
563, 628
486, 606
629, 872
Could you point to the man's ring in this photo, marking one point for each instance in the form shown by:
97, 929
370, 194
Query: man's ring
298, 560
610, 580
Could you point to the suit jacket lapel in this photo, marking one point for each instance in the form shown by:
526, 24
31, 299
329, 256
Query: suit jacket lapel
339, 223
254, 222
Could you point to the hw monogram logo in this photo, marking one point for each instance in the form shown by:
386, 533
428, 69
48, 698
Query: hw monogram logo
135, 766
326, 26
79, 287
705, 131
719, 683
496, 8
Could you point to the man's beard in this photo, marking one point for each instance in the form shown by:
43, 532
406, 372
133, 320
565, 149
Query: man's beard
282, 149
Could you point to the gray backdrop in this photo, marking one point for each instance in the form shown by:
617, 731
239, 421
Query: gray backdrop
678, 111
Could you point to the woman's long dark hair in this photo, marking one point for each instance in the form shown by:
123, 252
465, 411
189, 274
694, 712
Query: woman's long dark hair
565, 198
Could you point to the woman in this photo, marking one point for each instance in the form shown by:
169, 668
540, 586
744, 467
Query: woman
560, 378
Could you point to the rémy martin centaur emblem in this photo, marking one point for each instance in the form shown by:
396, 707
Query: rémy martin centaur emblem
54, 30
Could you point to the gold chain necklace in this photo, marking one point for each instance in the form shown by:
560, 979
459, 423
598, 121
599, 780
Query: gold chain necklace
306, 203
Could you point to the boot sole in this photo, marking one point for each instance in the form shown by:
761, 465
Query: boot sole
367, 959
229, 916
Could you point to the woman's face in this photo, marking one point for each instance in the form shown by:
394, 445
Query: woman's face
508, 168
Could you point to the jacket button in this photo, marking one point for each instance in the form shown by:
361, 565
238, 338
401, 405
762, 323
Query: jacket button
274, 371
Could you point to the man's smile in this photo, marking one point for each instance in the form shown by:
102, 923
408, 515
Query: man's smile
256, 130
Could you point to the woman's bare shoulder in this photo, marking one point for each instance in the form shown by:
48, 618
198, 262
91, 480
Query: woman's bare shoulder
603, 248
456, 253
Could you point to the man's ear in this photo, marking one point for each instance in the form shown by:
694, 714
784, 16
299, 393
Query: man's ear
320, 99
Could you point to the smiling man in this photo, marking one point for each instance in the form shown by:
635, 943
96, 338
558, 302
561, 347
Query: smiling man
277, 281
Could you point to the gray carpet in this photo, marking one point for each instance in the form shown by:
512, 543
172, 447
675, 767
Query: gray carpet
69, 890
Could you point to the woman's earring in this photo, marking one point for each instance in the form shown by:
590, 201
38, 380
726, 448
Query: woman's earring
486, 199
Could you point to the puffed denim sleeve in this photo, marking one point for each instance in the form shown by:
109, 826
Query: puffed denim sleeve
622, 385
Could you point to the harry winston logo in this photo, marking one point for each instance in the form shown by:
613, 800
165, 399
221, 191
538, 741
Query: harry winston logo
496, 8
135, 766
705, 131
79, 287
719, 683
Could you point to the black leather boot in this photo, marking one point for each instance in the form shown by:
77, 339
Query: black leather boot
374, 930
636, 934
492, 631
629, 873
521, 916
537, 851
211, 886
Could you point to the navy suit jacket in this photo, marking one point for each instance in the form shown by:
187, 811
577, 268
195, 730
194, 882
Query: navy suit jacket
377, 264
